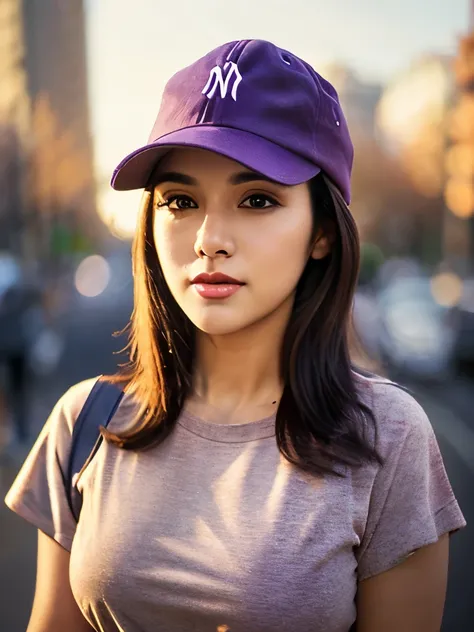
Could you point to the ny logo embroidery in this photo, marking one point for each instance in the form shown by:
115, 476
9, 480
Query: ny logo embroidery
216, 79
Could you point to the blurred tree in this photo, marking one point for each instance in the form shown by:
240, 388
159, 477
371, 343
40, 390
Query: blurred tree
61, 168
464, 63
390, 211
411, 126
11, 211
62, 176
459, 162
459, 190
411, 119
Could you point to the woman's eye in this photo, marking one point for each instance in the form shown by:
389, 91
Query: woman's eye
178, 203
259, 201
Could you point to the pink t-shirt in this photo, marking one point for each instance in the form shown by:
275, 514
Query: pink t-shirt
214, 531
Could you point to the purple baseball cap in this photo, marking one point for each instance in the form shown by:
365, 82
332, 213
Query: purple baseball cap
257, 104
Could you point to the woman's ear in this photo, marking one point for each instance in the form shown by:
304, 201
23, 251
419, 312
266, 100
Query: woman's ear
322, 243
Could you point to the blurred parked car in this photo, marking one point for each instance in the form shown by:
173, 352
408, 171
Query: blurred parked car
464, 313
416, 334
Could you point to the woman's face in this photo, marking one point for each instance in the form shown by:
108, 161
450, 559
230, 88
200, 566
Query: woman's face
212, 215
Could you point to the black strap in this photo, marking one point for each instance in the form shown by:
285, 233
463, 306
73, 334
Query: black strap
98, 410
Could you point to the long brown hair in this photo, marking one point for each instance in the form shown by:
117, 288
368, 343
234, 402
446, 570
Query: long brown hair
321, 422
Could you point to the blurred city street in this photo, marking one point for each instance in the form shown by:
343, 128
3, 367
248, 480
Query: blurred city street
89, 349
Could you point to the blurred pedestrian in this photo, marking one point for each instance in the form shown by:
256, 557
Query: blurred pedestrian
251, 478
20, 324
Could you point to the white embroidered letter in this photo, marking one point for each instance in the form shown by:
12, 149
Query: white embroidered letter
216, 79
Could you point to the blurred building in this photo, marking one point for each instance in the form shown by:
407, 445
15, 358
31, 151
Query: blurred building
14, 127
412, 125
379, 189
49, 162
426, 119
411, 120
358, 98
459, 164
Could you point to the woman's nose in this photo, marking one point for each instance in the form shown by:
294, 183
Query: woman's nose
214, 239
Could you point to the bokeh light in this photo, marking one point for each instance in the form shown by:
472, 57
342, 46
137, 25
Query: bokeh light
459, 197
92, 276
447, 289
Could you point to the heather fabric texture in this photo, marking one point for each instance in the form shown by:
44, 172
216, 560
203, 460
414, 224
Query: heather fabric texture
214, 530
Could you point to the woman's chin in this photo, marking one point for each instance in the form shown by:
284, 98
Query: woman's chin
220, 322
216, 327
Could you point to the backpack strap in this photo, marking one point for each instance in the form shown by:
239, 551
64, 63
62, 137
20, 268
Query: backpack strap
98, 410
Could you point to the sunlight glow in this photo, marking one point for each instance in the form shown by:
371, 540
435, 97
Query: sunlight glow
119, 211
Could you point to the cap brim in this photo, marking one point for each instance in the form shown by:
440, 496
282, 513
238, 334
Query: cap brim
250, 150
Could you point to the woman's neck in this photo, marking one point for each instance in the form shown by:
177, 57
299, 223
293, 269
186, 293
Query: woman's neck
239, 373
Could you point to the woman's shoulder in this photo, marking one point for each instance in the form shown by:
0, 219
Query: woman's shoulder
76, 395
70, 404
396, 412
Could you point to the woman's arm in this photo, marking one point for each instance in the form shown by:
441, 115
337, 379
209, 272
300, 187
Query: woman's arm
54, 607
408, 597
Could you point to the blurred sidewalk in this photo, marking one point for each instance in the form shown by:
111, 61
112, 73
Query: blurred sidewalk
18, 541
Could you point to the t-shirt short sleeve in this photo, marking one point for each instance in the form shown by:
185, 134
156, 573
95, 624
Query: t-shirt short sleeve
38, 493
411, 503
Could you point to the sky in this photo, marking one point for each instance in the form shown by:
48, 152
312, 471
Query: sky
132, 52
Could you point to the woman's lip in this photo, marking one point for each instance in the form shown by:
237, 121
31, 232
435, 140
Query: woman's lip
216, 277
216, 290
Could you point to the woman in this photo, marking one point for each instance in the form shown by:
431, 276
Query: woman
250, 480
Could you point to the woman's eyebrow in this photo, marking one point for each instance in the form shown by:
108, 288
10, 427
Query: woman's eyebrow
249, 176
175, 177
